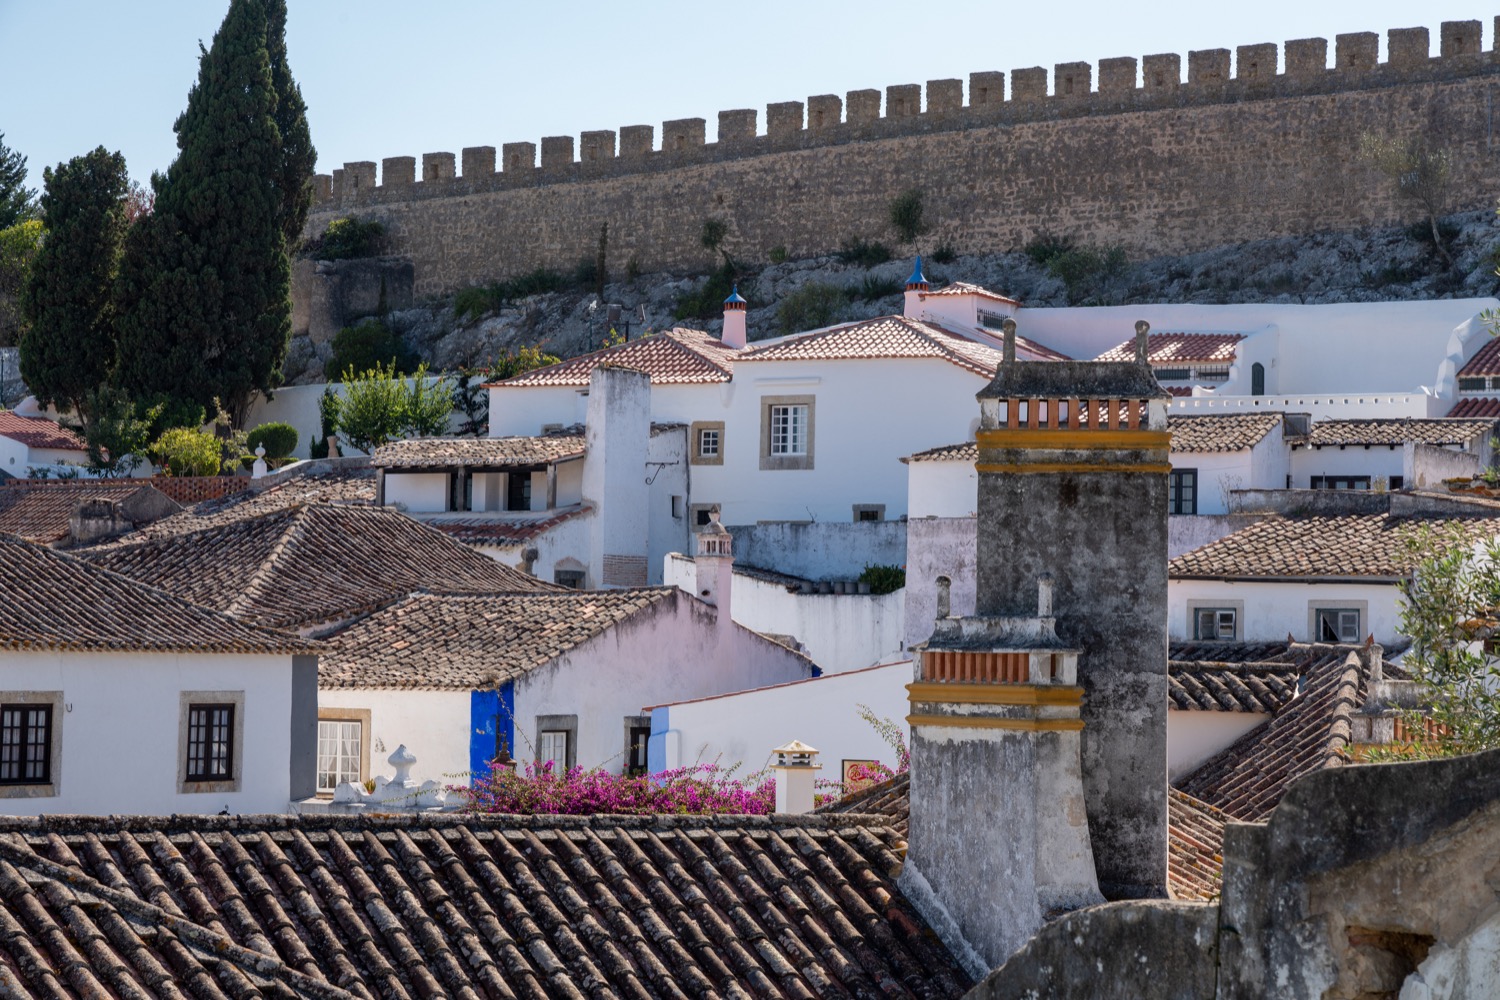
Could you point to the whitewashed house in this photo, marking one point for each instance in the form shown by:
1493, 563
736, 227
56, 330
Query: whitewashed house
1391, 453
116, 697
36, 443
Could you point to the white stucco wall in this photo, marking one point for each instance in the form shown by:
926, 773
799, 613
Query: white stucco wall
417, 492
938, 546
667, 470
942, 489
1377, 462
1272, 611
840, 631
822, 712
563, 546
675, 650
120, 732
1193, 737
1186, 532
434, 725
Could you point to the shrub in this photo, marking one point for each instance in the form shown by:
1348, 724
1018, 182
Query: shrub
905, 213
872, 288
1079, 267
586, 272
347, 239
701, 789
328, 416
633, 268
884, 579
778, 255
944, 254
476, 300
380, 406
187, 451
280, 440
866, 253
706, 301
1045, 246
368, 345
813, 305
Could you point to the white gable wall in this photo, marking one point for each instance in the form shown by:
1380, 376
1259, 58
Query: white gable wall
434, 725
1270, 611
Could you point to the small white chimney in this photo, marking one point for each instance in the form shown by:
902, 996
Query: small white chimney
916, 286
714, 561
796, 771
734, 334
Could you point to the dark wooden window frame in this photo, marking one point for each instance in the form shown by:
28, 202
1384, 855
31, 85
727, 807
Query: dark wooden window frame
29, 735
202, 725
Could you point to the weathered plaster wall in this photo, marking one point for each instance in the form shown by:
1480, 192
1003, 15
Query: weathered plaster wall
1426, 465
1186, 532
1137, 166
823, 550
939, 546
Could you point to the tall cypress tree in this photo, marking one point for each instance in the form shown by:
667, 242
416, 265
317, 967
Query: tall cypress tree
70, 346
206, 284
298, 157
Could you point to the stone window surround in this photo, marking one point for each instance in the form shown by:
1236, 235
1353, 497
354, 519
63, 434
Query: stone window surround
568, 723
186, 699
1313, 607
771, 462
1196, 604
360, 715
632, 722
695, 457
878, 508
53, 787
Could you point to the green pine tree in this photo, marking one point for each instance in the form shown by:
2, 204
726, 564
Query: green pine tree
69, 347
205, 289
17, 201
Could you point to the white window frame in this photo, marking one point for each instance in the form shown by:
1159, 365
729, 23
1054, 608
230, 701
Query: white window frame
708, 442
1347, 615
1197, 607
344, 765
1223, 624
549, 742
789, 430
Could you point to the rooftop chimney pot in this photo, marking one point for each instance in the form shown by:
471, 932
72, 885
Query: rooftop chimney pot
1009, 326
944, 597
1142, 354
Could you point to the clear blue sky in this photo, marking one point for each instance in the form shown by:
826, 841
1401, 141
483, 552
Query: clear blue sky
385, 78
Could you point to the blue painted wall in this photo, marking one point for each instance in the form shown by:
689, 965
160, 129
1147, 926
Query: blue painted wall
656, 747
492, 713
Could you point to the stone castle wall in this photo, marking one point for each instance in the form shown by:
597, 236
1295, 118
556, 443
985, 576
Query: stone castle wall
1134, 156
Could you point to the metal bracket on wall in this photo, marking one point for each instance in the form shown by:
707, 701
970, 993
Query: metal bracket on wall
657, 466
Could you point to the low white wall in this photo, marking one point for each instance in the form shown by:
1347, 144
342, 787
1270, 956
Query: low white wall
1322, 405
1186, 532
840, 631
564, 546
1274, 610
434, 725
417, 492
1377, 462
298, 405
1426, 466
822, 550
1193, 737
823, 712
120, 730
942, 546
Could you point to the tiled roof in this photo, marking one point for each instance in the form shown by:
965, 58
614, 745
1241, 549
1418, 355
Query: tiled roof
672, 357
1312, 732
350, 487
1195, 832
465, 907
1178, 390
1396, 432
1220, 432
1180, 349
310, 564
467, 641
1211, 686
954, 288
966, 452
894, 337
426, 453
1349, 546
1195, 847
1475, 406
1486, 361
38, 432
50, 601
40, 512
500, 529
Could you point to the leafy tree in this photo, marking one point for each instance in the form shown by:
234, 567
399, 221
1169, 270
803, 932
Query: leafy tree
69, 347
205, 286
19, 245
1423, 175
371, 412
472, 399
428, 405
187, 451
905, 211
348, 238
366, 345
715, 231
17, 201
1450, 608
118, 434
328, 417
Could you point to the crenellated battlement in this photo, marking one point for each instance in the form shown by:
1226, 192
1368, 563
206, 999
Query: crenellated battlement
1125, 84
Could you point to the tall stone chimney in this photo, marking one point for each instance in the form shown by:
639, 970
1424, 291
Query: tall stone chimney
916, 284
617, 433
734, 334
1077, 451
999, 834
714, 562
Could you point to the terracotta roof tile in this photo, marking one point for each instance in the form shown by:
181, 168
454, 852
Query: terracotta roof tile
1226, 432
310, 564
1396, 432
1206, 685
965, 452
955, 288
1312, 732
38, 432
350, 487
426, 453
1180, 349
673, 357
40, 512
889, 799
468, 641
1475, 406
1486, 361
522, 907
894, 337
1349, 546
1195, 847
50, 601
502, 529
